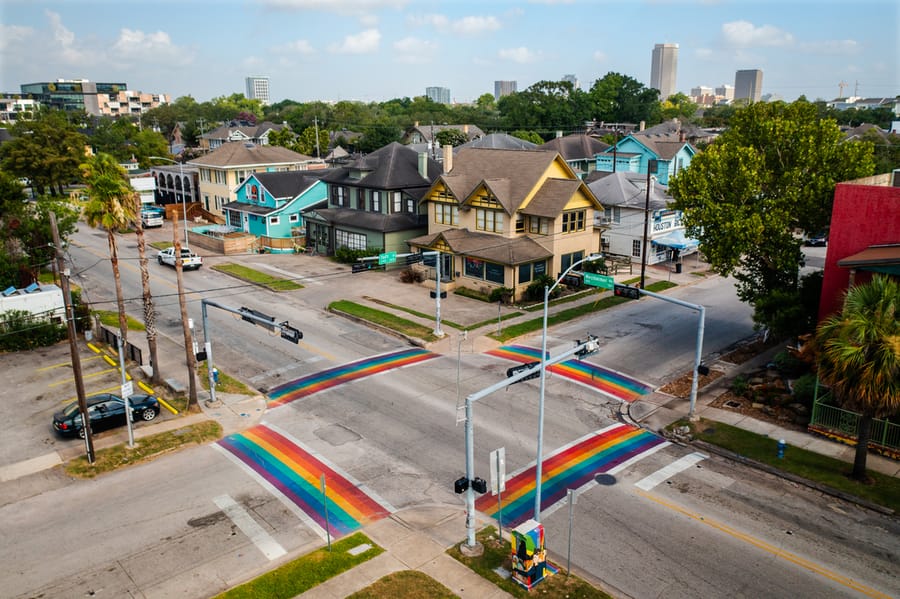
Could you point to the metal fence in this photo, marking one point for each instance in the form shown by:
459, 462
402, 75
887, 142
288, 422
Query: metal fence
845, 423
132, 352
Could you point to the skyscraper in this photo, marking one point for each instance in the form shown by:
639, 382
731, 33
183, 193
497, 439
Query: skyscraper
571, 78
441, 95
503, 88
663, 69
258, 89
748, 84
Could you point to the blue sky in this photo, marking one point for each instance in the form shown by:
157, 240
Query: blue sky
375, 50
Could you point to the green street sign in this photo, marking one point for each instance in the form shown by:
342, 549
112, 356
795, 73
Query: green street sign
387, 258
595, 280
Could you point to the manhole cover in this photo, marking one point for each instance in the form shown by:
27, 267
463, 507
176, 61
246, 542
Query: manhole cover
605, 479
732, 404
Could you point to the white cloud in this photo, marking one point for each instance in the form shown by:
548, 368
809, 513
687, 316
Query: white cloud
521, 55
746, 34
471, 25
600, 56
139, 46
412, 50
64, 41
361, 43
839, 47
356, 6
11, 35
301, 47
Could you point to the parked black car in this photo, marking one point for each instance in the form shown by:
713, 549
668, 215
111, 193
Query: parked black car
106, 411
820, 240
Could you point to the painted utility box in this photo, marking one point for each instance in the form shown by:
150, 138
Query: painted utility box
529, 565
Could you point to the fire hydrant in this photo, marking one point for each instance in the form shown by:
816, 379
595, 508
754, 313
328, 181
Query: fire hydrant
215, 376
781, 446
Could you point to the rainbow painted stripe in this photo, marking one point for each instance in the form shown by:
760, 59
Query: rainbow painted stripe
604, 380
295, 473
571, 467
332, 377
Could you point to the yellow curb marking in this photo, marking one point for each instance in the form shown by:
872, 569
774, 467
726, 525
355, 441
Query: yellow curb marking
769, 548
145, 387
110, 361
94, 348
166, 406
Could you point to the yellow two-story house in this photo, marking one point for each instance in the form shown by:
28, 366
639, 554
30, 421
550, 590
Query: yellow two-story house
503, 218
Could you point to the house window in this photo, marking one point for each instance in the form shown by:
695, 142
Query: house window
532, 270
234, 218
445, 214
474, 268
568, 260
573, 221
613, 214
538, 225
398, 202
520, 224
253, 193
410, 205
274, 220
488, 271
489, 220
204, 175
348, 239
241, 176
294, 218
221, 178
636, 248
376, 201
338, 196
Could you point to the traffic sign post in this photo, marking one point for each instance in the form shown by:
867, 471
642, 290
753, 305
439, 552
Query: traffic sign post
601, 281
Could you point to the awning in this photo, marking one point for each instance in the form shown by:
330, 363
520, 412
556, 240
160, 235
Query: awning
677, 240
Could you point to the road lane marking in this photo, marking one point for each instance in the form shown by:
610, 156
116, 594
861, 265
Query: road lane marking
647, 483
769, 548
263, 540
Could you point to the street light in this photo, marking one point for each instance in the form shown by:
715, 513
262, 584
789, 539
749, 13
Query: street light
540, 439
183, 199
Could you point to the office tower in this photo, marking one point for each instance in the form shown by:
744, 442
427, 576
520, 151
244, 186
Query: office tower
503, 88
441, 95
748, 85
663, 69
258, 89
571, 79
725, 91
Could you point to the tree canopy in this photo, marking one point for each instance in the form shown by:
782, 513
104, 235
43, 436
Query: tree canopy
770, 175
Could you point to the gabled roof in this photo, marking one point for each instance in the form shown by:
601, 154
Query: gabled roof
287, 184
511, 175
552, 197
665, 146
372, 221
429, 132
493, 248
248, 131
392, 167
629, 190
499, 141
577, 146
233, 155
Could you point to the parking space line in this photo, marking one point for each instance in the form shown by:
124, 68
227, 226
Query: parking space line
86, 376
69, 364
115, 389
263, 540
669, 471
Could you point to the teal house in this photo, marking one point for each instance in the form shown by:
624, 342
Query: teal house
631, 154
269, 205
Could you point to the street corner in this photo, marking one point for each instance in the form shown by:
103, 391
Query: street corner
235, 412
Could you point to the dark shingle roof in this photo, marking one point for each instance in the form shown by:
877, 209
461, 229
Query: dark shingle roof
394, 166
289, 184
499, 141
576, 146
552, 197
493, 248
629, 190
372, 221
232, 155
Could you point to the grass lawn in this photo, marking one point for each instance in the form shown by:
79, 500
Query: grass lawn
302, 574
884, 491
496, 554
145, 448
384, 319
406, 584
536, 324
226, 384
257, 278
449, 323
111, 319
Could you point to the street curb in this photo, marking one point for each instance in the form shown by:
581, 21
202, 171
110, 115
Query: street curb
793, 477
411, 340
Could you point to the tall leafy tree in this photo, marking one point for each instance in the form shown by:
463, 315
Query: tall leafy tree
618, 98
858, 354
46, 151
771, 173
111, 205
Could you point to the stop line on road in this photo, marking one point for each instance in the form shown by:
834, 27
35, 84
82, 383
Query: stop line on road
573, 466
292, 472
609, 382
332, 377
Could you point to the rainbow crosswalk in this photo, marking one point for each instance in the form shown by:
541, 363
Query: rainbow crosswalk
332, 377
294, 473
606, 381
570, 467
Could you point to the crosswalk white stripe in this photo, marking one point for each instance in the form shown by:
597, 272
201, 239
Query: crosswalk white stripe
263, 540
672, 469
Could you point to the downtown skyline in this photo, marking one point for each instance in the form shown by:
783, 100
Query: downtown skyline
376, 50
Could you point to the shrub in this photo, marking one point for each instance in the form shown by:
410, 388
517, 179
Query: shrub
805, 389
501, 294
411, 275
740, 385
535, 291
345, 255
788, 364
21, 330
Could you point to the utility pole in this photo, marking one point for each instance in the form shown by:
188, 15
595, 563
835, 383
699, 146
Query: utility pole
73, 347
316, 122
651, 170
182, 302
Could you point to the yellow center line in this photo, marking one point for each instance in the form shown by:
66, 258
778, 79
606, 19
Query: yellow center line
769, 548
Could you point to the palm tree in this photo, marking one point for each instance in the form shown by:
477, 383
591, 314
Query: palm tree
859, 357
149, 314
110, 206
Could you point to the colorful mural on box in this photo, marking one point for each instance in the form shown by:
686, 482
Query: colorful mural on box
606, 381
332, 377
571, 467
294, 473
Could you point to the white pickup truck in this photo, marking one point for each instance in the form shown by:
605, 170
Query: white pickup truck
189, 260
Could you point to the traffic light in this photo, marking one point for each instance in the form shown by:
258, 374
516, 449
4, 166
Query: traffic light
460, 485
591, 346
434, 294
290, 333
258, 316
479, 485
626, 291
522, 368
414, 258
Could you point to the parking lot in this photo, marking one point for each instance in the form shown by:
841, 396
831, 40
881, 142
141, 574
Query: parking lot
34, 385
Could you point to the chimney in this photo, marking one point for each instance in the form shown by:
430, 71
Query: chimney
682, 136
642, 126
466, 130
416, 125
558, 134
423, 165
448, 158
